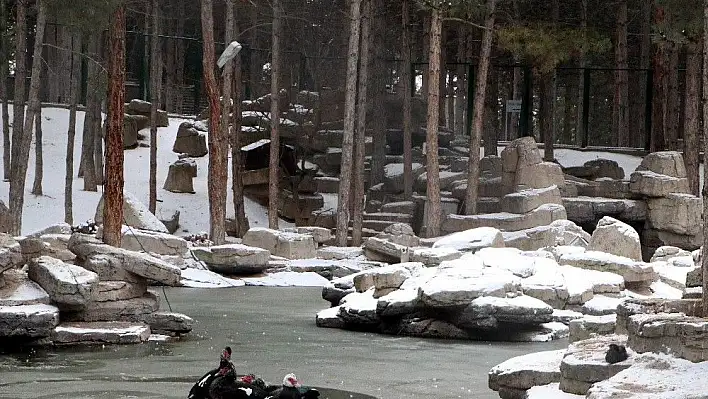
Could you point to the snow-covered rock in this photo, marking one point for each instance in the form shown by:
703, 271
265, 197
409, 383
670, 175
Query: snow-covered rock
398, 303
487, 312
451, 287
137, 263
632, 271
329, 269
135, 214
472, 240
584, 363
68, 285
328, 318
280, 243
434, 256
169, 322
617, 238
592, 326
100, 333
319, 234
359, 308
54, 245
513, 377
28, 320
10, 253
153, 242
384, 279
601, 305
666, 253
288, 279
118, 290
196, 278
20, 290
672, 333
339, 253
233, 258
655, 376
134, 309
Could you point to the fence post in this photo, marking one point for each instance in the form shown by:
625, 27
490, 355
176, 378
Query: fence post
525, 125
648, 109
586, 108
470, 97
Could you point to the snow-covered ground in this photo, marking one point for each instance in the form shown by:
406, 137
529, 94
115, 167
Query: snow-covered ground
40, 211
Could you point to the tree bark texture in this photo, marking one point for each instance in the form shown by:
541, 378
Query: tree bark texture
21, 160
478, 114
93, 117
582, 61
547, 114
407, 104
704, 258
349, 124
491, 129
691, 144
38, 154
659, 96
74, 94
644, 63
4, 93
18, 109
274, 165
620, 109
433, 204
378, 92
218, 167
155, 81
242, 224
113, 189
360, 132
671, 118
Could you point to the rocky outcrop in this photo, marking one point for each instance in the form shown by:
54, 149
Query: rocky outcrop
180, 176
617, 238
233, 258
135, 214
190, 141
69, 286
517, 375
280, 243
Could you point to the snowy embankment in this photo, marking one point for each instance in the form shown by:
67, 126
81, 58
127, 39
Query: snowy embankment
40, 211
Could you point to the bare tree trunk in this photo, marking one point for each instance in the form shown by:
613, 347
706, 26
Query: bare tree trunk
228, 75
360, 133
4, 93
155, 81
113, 193
20, 77
704, 257
378, 66
620, 109
349, 124
433, 202
478, 114
692, 114
568, 97
671, 120
579, 125
491, 132
547, 113
93, 117
38, 156
218, 168
407, 104
242, 224
274, 165
74, 94
644, 63
19, 162
450, 103
460, 95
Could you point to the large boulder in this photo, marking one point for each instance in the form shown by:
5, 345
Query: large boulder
20, 290
653, 184
135, 214
53, 245
516, 375
233, 258
135, 309
107, 291
472, 240
676, 213
109, 332
70, 286
669, 163
10, 253
33, 321
393, 176
280, 243
110, 268
190, 141
488, 312
169, 322
180, 175
632, 271
152, 242
137, 263
617, 238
